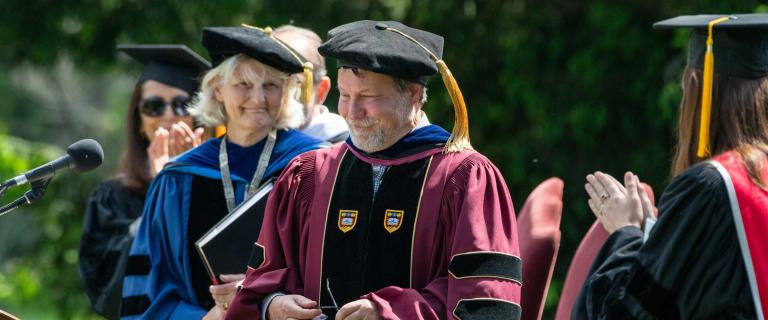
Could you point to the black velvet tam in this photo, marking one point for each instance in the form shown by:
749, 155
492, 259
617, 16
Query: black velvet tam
369, 45
224, 42
173, 64
740, 44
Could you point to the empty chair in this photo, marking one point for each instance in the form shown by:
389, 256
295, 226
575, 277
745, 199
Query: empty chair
538, 228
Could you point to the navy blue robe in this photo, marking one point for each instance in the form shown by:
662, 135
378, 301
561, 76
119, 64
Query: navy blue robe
160, 277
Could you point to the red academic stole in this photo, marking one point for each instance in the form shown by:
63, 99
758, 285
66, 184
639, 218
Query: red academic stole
749, 205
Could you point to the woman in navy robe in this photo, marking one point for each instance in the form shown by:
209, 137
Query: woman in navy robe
252, 92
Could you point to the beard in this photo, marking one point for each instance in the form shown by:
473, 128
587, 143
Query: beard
367, 134
372, 135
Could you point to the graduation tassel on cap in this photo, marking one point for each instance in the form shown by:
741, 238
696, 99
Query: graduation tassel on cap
306, 87
706, 92
459, 140
219, 131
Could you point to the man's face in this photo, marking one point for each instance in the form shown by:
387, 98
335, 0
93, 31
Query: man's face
377, 112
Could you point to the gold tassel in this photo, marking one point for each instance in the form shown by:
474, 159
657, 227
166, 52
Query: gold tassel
459, 140
219, 131
706, 93
306, 88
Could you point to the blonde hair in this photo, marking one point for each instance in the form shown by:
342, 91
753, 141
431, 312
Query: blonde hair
210, 112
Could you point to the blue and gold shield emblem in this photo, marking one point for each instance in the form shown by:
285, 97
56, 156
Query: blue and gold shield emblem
347, 220
393, 219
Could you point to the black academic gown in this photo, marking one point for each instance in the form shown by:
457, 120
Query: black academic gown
104, 245
689, 268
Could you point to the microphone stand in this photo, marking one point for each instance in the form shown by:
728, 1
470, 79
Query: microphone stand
34, 194
3, 187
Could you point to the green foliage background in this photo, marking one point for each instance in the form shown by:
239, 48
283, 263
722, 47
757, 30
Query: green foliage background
554, 88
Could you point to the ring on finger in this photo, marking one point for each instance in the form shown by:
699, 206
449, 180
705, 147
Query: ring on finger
604, 197
225, 306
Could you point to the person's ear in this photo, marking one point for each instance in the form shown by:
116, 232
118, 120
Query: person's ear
415, 92
217, 94
321, 89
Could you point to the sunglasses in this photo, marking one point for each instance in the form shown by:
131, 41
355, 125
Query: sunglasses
155, 106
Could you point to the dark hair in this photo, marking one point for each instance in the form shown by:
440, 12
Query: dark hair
739, 122
134, 162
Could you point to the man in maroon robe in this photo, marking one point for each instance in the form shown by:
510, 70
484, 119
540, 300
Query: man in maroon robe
403, 220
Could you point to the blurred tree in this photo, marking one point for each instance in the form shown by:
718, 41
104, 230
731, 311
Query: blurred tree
554, 88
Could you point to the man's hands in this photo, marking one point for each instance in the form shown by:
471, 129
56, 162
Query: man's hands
292, 306
299, 307
362, 309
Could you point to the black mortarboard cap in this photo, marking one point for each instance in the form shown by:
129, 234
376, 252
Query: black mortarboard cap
731, 45
740, 45
173, 64
362, 45
259, 44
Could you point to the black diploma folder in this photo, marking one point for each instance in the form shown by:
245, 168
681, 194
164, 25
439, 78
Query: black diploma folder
226, 248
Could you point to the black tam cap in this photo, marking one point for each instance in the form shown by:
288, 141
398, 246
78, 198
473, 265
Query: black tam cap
740, 42
392, 48
173, 64
367, 45
257, 43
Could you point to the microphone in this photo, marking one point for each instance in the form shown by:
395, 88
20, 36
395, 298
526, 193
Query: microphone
82, 156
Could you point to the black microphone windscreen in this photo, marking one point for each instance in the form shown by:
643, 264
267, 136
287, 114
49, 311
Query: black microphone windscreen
85, 154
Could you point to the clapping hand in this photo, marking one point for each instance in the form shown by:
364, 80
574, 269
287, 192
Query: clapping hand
167, 144
617, 205
183, 138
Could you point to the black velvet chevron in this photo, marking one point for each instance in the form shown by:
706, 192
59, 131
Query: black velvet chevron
486, 264
134, 305
137, 265
486, 309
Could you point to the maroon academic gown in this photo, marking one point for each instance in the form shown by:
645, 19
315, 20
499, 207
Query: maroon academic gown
438, 241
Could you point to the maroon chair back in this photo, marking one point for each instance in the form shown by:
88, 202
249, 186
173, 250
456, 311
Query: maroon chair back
582, 261
538, 228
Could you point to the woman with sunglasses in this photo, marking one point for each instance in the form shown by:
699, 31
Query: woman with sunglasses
159, 127
253, 91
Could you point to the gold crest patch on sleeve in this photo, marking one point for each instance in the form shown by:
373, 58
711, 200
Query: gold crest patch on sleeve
347, 220
393, 219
